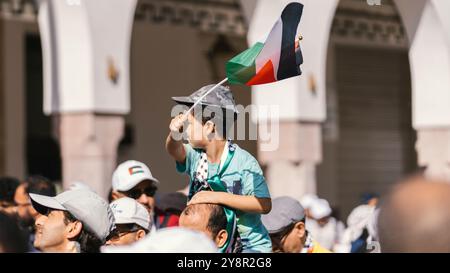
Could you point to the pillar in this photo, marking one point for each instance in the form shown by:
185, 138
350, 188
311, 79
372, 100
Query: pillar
86, 53
428, 27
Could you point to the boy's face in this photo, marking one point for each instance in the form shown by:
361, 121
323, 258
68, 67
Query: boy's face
197, 132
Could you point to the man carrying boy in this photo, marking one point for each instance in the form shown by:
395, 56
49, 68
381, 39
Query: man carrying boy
212, 161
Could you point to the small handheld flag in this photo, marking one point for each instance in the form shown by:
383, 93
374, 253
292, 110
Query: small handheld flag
276, 59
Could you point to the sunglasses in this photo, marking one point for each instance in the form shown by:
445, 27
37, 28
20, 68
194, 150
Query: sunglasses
136, 193
118, 233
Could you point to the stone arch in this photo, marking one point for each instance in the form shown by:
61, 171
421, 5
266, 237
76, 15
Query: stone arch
368, 139
426, 22
428, 27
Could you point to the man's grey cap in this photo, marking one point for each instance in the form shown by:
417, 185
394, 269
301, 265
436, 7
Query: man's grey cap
86, 206
285, 211
219, 97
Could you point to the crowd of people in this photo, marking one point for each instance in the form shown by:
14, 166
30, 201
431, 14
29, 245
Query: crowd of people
227, 208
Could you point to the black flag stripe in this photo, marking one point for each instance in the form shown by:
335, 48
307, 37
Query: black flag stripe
289, 66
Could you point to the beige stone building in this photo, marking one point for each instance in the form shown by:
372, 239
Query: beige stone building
372, 105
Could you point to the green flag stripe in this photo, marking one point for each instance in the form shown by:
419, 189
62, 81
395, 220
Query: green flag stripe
242, 68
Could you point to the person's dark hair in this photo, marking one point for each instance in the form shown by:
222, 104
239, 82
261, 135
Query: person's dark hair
367, 196
287, 229
217, 219
224, 115
8, 186
40, 185
12, 238
110, 195
133, 227
214, 113
89, 242
171, 203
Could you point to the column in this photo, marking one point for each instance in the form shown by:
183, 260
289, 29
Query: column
428, 30
86, 53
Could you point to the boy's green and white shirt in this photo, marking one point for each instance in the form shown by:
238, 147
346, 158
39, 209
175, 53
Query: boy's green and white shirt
243, 177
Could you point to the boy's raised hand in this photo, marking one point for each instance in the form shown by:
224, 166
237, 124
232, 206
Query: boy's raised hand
176, 125
174, 142
207, 197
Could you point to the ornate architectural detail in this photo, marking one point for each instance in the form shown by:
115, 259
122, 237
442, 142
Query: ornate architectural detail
357, 22
18, 9
219, 16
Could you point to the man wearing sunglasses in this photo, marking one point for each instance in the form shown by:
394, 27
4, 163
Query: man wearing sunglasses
286, 226
133, 179
132, 222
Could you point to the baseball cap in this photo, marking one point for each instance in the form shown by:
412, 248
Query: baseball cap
129, 211
320, 209
78, 185
86, 206
219, 97
285, 211
168, 240
130, 173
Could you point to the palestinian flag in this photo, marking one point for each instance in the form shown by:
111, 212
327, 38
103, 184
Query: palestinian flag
278, 58
135, 170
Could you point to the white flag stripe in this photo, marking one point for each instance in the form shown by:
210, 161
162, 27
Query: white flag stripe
272, 49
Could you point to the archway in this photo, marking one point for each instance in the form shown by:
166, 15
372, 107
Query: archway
368, 138
423, 21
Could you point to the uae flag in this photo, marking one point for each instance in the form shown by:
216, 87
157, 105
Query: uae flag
278, 58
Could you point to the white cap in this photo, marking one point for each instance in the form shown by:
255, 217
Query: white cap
86, 206
78, 185
129, 211
130, 173
307, 200
320, 208
168, 240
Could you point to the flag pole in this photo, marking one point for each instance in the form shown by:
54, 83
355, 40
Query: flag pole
204, 95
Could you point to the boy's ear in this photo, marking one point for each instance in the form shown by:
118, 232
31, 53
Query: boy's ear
210, 127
